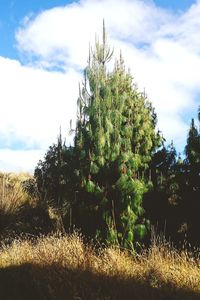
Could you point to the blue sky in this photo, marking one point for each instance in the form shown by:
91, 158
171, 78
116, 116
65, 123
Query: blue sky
180, 5
12, 13
44, 46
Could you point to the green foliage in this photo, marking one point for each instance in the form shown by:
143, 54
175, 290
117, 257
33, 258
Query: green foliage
99, 184
173, 202
116, 132
193, 146
114, 178
140, 231
191, 183
54, 174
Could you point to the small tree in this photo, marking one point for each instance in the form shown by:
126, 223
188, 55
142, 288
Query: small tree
55, 182
163, 202
191, 186
192, 149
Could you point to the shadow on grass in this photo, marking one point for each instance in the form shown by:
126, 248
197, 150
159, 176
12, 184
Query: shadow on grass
33, 282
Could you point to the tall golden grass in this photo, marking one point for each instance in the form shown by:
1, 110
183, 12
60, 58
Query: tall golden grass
12, 195
20, 213
64, 267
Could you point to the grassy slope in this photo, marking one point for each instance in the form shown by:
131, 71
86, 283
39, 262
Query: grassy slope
64, 268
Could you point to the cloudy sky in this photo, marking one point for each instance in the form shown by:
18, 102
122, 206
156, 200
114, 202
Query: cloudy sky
44, 48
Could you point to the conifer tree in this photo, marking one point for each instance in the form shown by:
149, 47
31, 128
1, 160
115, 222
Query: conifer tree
191, 186
173, 204
192, 149
162, 202
114, 141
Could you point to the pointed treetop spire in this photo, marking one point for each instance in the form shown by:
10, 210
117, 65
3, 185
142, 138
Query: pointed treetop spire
102, 52
104, 33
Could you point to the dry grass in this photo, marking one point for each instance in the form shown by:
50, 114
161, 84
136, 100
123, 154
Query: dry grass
63, 267
21, 214
12, 196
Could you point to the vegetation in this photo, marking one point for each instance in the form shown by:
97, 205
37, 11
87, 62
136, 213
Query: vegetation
117, 180
173, 204
63, 267
20, 214
99, 183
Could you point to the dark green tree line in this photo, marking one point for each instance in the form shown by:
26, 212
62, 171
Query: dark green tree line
173, 205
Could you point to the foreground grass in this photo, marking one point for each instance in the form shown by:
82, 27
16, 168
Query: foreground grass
58, 267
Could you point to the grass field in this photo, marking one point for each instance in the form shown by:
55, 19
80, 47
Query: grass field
63, 267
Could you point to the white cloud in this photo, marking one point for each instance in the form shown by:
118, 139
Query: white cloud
64, 33
160, 47
34, 104
185, 29
19, 160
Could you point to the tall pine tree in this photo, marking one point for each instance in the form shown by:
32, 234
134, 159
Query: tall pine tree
114, 141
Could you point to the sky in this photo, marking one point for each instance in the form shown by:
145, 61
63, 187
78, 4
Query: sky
43, 51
